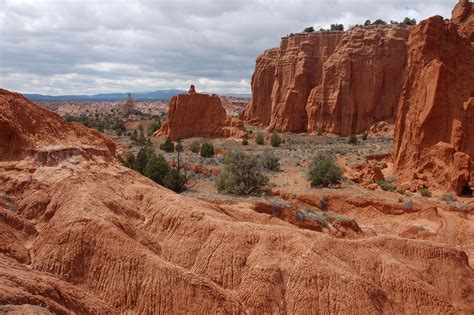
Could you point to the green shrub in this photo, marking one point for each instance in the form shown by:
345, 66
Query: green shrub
270, 161
448, 198
259, 139
195, 146
241, 175
425, 192
175, 181
207, 150
385, 186
156, 168
245, 141
352, 139
324, 172
154, 126
179, 147
308, 29
167, 146
275, 140
364, 136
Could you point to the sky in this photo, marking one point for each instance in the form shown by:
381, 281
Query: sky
62, 47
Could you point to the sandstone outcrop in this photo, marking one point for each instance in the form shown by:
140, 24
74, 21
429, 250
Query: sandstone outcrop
91, 236
259, 110
434, 132
199, 115
337, 82
36, 130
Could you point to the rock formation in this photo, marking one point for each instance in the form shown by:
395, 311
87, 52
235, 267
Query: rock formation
434, 132
40, 131
128, 104
259, 110
338, 82
199, 115
87, 235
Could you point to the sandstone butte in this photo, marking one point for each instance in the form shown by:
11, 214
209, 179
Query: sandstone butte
336, 82
199, 115
434, 131
83, 234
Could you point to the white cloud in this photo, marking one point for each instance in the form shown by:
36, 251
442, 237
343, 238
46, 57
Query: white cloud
85, 46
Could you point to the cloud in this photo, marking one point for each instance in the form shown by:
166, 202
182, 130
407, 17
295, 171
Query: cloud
78, 47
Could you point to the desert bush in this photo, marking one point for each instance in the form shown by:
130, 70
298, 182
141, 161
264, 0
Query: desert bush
275, 140
323, 203
324, 172
409, 204
167, 146
425, 192
175, 181
448, 198
259, 139
364, 136
154, 126
207, 150
241, 175
352, 139
245, 141
385, 186
269, 161
179, 147
195, 146
308, 29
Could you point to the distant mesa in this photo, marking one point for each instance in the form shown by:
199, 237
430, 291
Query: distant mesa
199, 115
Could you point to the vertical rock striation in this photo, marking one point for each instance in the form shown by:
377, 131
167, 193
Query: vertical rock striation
434, 133
338, 82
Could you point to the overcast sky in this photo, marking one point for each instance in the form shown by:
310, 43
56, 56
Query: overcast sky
87, 47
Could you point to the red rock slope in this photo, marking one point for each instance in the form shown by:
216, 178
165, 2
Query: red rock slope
86, 235
434, 133
199, 115
338, 82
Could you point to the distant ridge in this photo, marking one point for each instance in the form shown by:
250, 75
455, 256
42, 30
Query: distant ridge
141, 96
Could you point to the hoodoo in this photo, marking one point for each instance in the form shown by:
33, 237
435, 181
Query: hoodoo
199, 115
338, 82
434, 132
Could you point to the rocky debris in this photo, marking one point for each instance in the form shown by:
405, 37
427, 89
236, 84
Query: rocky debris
199, 115
93, 237
337, 82
434, 130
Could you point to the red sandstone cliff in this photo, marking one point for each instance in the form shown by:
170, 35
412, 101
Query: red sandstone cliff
199, 115
91, 236
338, 82
434, 133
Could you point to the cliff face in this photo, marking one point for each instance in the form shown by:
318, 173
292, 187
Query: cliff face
434, 130
93, 237
298, 69
199, 115
338, 82
258, 110
361, 81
